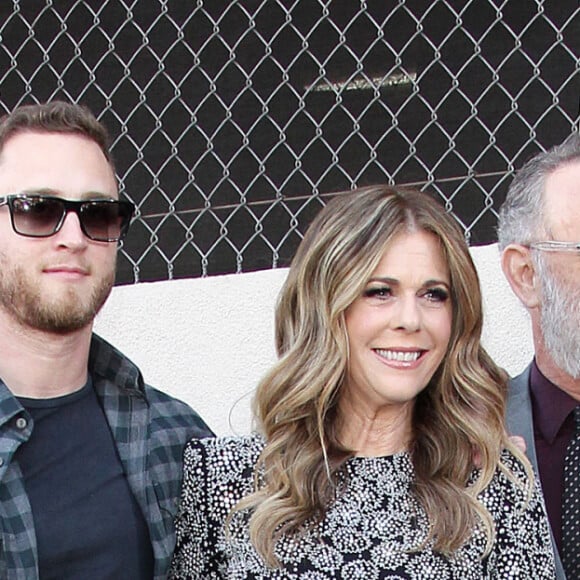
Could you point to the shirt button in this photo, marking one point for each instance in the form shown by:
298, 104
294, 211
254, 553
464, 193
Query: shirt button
21, 423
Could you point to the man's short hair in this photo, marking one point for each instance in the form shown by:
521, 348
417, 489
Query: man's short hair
55, 117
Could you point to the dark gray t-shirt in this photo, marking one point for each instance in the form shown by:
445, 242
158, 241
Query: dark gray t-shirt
88, 524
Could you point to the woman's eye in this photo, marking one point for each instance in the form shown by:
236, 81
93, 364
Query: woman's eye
377, 292
436, 294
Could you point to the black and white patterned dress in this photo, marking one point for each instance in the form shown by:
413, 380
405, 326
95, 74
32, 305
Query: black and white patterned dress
366, 534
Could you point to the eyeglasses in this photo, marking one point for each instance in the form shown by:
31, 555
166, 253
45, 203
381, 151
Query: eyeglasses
555, 246
42, 216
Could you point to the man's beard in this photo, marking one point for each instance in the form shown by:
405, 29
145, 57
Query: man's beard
560, 319
21, 298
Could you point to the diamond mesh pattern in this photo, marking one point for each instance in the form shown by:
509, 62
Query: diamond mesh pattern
233, 120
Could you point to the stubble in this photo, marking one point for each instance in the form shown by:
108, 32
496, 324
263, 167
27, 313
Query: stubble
23, 299
560, 319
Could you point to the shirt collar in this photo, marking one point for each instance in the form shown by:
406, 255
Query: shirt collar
106, 362
552, 405
9, 405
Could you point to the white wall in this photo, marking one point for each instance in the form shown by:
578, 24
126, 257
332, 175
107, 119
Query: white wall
209, 340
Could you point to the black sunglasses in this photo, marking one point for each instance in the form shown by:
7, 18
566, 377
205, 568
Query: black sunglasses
41, 216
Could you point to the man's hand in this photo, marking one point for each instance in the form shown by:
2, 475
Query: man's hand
519, 442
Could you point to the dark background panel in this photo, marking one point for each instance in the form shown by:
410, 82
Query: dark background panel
232, 122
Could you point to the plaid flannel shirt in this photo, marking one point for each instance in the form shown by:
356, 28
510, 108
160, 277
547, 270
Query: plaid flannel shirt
150, 430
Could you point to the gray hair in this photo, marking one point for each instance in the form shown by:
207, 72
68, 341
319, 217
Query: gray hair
520, 216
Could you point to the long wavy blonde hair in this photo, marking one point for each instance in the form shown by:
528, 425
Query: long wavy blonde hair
460, 413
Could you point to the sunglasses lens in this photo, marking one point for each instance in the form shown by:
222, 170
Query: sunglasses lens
42, 216
36, 216
105, 221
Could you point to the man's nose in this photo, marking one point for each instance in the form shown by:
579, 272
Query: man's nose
70, 233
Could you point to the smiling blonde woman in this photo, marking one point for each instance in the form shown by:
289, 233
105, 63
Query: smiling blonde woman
362, 465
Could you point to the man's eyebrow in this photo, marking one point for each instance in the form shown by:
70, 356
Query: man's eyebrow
88, 195
97, 195
41, 191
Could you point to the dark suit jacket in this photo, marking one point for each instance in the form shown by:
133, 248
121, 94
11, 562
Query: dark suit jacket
520, 422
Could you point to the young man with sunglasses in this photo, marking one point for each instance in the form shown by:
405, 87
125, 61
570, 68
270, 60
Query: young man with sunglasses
90, 456
539, 235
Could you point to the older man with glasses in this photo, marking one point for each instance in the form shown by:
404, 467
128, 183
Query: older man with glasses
90, 455
539, 236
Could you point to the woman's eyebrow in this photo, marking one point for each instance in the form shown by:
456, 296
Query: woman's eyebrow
394, 281
384, 280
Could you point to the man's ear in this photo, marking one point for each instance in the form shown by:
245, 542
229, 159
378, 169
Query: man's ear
518, 267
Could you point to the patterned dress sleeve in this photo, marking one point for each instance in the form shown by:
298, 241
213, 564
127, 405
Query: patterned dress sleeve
523, 547
195, 535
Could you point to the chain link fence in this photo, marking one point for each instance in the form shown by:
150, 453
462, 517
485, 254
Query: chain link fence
233, 120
